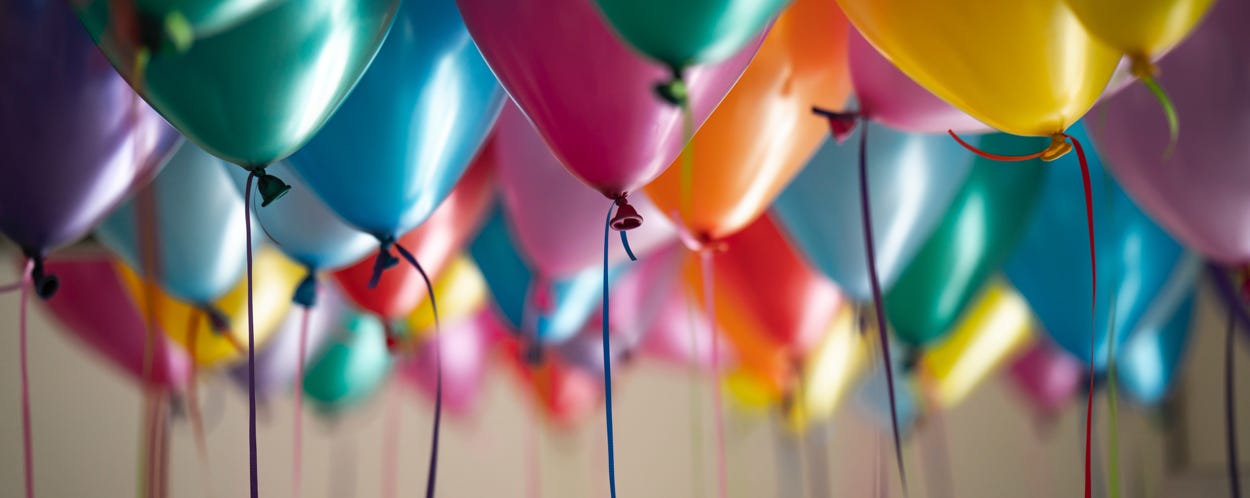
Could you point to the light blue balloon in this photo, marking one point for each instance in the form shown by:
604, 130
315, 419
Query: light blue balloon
409, 129
199, 227
1051, 269
1146, 365
572, 299
352, 367
302, 226
912, 179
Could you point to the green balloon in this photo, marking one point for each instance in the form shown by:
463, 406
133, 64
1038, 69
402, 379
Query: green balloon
981, 227
248, 80
682, 33
351, 368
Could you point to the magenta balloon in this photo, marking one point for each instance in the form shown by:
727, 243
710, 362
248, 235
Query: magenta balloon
891, 98
555, 217
590, 96
94, 307
1047, 376
466, 349
1201, 193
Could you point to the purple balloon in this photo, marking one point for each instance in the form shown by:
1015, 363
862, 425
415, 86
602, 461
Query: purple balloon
1201, 193
277, 364
76, 139
1047, 376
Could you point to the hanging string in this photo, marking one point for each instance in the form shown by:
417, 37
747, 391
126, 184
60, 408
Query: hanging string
297, 451
878, 303
718, 406
432, 472
390, 444
1058, 147
1230, 411
251, 345
696, 419
937, 459
607, 356
27, 453
1146, 72
534, 477
193, 399
1113, 453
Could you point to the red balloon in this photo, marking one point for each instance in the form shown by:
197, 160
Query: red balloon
564, 395
434, 244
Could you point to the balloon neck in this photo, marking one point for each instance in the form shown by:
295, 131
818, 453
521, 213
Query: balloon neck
217, 320
841, 124
674, 91
626, 217
533, 355
1058, 147
394, 339
911, 360
384, 261
1142, 68
306, 292
271, 188
44, 284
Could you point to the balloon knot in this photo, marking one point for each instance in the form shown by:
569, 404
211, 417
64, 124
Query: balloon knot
626, 217
1057, 148
217, 320
1142, 67
911, 359
841, 124
271, 188
306, 292
384, 260
533, 354
674, 91
45, 284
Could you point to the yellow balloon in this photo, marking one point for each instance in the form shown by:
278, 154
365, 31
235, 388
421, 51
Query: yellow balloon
749, 392
829, 371
1142, 29
460, 291
1025, 67
993, 330
274, 277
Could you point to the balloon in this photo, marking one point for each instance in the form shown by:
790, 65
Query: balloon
889, 97
277, 363
586, 92
764, 131
993, 330
1147, 365
198, 226
77, 138
401, 140
549, 311
465, 346
1137, 260
872, 396
249, 82
275, 278
1025, 67
828, 373
1138, 29
92, 306
303, 227
434, 244
750, 392
769, 304
461, 292
1047, 377
985, 221
682, 34
353, 366
1199, 192
553, 212
565, 396
912, 179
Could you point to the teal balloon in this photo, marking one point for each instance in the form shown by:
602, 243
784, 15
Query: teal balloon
352, 366
982, 226
688, 32
912, 179
1137, 260
399, 143
513, 286
248, 80
198, 228
1146, 365
303, 227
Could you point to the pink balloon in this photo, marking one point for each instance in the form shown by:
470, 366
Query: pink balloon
891, 98
556, 220
465, 347
94, 307
1201, 193
1047, 376
590, 96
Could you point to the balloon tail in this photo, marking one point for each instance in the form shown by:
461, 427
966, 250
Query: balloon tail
297, 450
878, 302
841, 124
432, 472
390, 444
1145, 72
1230, 412
27, 447
253, 468
718, 406
607, 350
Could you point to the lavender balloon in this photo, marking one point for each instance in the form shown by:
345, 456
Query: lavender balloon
1201, 192
76, 139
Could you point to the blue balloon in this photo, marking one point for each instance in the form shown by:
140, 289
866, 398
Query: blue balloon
912, 179
409, 129
572, 299
199, 227
872, 396
1051, 267
1146, 365
303, 227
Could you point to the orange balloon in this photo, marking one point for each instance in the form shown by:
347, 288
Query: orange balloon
764, 131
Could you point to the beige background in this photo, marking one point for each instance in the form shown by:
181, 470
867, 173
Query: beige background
87, 420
